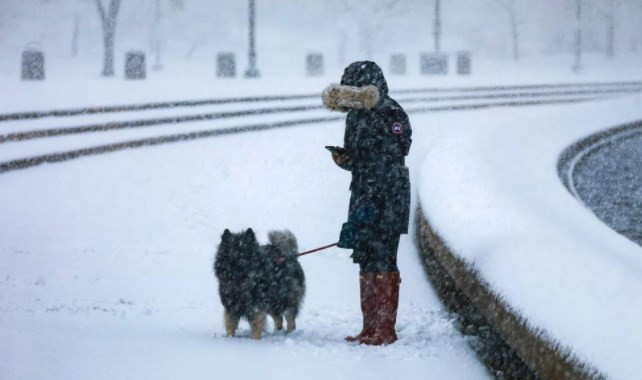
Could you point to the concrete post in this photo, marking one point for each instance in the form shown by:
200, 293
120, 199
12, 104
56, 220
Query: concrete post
33, 65
135, 65
434, 64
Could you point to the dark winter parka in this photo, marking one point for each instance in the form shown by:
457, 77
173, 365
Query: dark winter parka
376, 141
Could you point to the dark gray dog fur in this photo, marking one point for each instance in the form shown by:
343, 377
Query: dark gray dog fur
255, 281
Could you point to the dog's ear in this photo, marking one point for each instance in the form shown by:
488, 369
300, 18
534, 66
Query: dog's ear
226, 234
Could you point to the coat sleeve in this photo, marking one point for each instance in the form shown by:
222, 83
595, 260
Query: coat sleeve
406, 136
349, 141
398, 134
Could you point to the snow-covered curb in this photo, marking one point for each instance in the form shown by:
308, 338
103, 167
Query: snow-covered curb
561, 287
526, 349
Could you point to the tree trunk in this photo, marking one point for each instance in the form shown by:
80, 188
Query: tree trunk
109, 30
252, 71
514, 33
437, 25
108, 45
156, 37
610, 36
75, 36
577, 66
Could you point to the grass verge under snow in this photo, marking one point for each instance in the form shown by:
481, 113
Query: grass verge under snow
492, 192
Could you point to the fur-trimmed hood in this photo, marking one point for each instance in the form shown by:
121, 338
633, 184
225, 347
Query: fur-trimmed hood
342, 98
364, 73
362, 87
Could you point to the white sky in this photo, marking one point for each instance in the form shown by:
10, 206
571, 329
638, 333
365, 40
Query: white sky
546, 26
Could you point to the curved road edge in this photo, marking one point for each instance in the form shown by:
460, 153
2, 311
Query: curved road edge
580, 150
508, 345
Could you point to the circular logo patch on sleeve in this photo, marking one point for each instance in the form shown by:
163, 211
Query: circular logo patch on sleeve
397, 128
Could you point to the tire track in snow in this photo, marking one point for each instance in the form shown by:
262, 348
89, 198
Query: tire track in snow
25, 163
104, 127
148, 106
117, 125
273, 98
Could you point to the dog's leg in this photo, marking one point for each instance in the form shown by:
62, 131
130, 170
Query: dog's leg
258, 324
278, 321
289, 318
230, 323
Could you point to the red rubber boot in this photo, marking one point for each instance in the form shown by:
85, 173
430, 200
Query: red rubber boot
367, 288
387, 293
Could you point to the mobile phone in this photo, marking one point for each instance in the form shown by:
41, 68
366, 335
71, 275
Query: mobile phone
336, 149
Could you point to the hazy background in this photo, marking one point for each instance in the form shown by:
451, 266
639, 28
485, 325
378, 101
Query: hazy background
344, 30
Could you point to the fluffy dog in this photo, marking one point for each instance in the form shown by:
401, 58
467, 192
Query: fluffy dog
255, 280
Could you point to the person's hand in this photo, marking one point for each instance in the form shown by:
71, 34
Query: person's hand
339, 158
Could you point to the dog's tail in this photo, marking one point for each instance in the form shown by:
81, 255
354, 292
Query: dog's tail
284, 241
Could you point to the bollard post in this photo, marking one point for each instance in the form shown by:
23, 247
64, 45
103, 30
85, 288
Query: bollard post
434, 64
464, 63
252, 70
398, 64
225, 65
33, 65
135, 65
314, 65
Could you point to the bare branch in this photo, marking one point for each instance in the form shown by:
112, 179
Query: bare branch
113, 9
101, 11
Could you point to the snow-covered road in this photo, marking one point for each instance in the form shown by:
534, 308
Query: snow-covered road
108, 258
606, 175
107, 267
23, 134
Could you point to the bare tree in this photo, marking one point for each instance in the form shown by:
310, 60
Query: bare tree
577, 66
156, 36
372, 18
635, 6
510, 6
75, 36
108, 18
608, 12
437, 25
610, 30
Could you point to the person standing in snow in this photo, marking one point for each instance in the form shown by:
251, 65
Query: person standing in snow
377, 139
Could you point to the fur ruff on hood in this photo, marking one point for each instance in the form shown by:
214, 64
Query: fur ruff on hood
343, 98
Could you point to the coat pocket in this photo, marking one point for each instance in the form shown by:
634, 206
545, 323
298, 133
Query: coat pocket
348, 236
397, 210
354, 237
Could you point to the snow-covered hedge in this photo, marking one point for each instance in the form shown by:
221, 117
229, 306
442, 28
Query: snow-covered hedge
562, 288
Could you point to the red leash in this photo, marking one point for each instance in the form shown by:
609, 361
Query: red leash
316, 250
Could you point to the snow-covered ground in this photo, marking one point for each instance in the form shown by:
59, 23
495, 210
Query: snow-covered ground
492, 191
107, 266
107, 260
